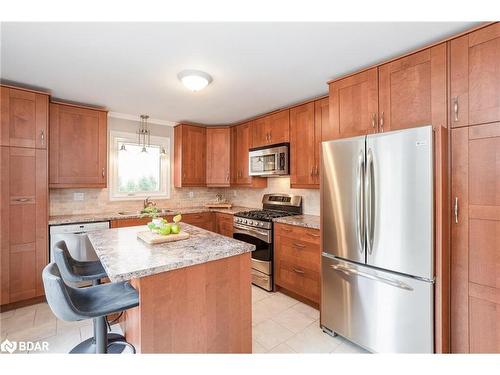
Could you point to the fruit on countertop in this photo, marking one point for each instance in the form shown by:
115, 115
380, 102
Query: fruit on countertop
175, 228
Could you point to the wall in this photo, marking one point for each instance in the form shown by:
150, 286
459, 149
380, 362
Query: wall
97, 200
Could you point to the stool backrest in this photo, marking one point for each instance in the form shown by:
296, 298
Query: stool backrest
58, 294
65, 262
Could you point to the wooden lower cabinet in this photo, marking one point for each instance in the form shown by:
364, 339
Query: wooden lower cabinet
297, 261
203, 220
23, 222
224, 224
120, 223
475, 239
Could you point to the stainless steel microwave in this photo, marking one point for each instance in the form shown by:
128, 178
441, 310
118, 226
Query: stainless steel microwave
269, 160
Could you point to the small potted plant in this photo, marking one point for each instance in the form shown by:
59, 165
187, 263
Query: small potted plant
152, 212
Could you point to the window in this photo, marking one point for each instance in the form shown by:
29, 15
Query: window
137, 172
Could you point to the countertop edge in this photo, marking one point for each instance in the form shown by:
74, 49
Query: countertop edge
305, 221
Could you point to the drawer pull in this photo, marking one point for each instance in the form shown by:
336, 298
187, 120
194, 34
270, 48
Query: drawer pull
286, 229
299, 245
313, 234
296, 270
22, 200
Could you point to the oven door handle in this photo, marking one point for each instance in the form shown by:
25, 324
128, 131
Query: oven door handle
264, 236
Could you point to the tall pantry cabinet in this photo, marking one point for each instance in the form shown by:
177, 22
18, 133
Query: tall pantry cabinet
475, 193
23, 193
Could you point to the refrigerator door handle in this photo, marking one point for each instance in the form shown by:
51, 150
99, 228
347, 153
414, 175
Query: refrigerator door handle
360, 228
369, 201
385, 280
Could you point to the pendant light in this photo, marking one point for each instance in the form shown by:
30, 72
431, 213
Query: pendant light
144, 133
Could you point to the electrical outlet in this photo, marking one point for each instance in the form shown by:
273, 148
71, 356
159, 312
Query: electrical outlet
78, 196
191, 194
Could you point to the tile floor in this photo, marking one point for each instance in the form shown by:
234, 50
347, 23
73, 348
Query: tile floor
280, 325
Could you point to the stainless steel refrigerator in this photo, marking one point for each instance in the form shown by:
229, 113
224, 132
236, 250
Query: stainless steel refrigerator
377, 198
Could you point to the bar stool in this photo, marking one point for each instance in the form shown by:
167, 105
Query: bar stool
75, 271
95, 302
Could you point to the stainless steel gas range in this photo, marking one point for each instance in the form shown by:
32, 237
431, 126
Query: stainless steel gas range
256, 227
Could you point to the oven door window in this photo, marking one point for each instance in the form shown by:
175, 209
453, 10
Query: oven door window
263, 250
263, 163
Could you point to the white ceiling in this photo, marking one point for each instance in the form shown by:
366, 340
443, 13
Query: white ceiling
132, 68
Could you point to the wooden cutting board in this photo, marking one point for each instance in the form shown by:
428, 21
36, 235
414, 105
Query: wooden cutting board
155, 238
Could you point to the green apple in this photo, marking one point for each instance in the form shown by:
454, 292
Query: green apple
175, 228
165, 230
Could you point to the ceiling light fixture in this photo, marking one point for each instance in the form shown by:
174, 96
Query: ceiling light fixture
194, 80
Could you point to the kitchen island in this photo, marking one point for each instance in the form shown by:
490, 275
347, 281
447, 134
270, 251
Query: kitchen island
194, 294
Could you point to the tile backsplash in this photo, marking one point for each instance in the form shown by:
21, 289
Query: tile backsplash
62, 201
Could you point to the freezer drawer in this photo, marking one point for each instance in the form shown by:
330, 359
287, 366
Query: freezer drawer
381, 311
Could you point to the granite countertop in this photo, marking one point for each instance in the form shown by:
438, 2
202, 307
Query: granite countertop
306, 221
125, 257
106, 216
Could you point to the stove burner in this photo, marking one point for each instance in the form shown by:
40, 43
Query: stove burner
264, 215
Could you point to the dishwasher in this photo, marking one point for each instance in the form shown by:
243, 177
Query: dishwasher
75, 236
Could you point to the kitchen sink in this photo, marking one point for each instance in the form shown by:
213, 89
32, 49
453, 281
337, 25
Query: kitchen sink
162, 211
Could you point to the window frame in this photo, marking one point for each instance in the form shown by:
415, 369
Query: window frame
120, 136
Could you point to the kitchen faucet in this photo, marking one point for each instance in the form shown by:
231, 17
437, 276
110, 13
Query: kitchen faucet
148, 202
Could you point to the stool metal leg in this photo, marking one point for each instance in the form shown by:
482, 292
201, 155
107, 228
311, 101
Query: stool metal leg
101, 338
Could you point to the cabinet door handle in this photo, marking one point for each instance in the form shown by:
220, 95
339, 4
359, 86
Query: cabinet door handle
455, 108
296, 270
374, 120
382, 122
42, 137
455, 210
103, 174
271, 135
22, 200
299, 245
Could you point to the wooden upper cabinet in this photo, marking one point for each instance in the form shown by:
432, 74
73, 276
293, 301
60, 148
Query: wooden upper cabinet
475, 77
78, 147
24, 117
321, 121
302, 144
306, 124
271, 129
241, 143
24, 216
190, 163
260, 131
354, 105
279, 127
412, 90
218, 156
